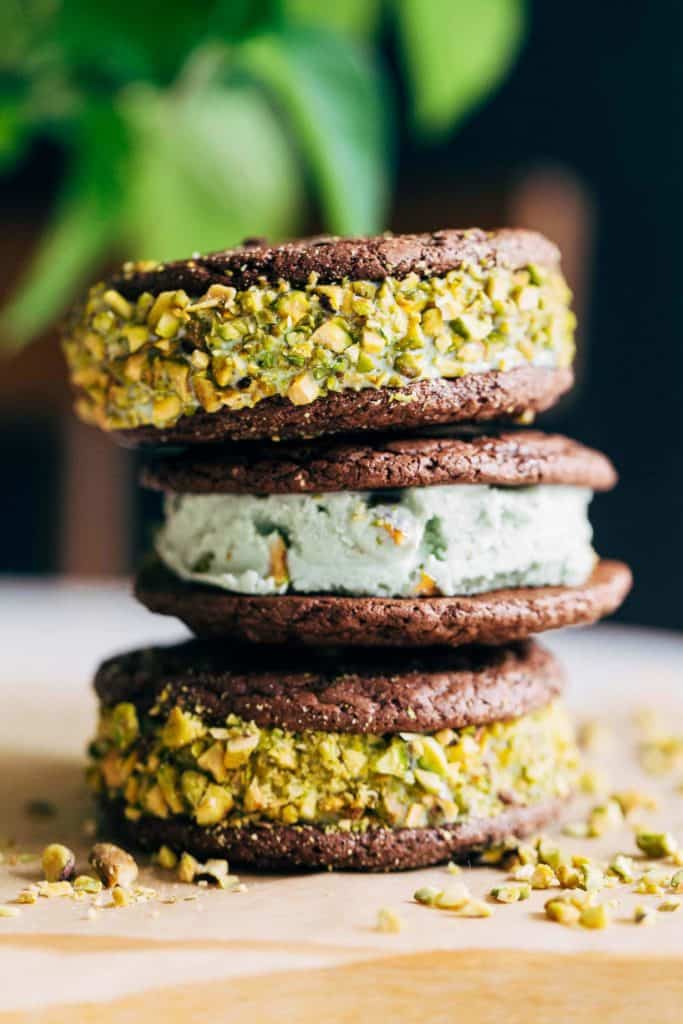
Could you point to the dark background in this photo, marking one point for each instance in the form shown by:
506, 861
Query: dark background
584, 140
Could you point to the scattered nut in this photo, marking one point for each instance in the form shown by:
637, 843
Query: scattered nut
113, 865
670, 904
6, 911
388, 921
595, 916
644, 915
427, 895
86, 883
656, 844
121, 897
58, 863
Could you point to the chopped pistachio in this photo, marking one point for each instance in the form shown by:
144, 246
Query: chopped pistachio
332, 336
597, 916
58, 862
426, 894
453, 869
454, 897
543, 877
388, 920
27, 896
86, 883
166, 858
6, 911
549, 853
592, 877
524, 873
644, 915
214, 872
604, 817
656, 844
569, 877
670, 904
652, 883
121, 897
575, 829
622, 867
510, 893
187, 868
113, 865
562, 911
676, 882
50, 889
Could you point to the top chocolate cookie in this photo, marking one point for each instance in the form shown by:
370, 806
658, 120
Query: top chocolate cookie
323, 336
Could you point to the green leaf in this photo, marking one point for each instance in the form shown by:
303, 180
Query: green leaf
82, 230
208, 169
355, 18
124, 40
333, 95
456, 52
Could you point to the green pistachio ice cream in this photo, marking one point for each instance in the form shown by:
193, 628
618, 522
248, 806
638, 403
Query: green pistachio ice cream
449, 540
170, 762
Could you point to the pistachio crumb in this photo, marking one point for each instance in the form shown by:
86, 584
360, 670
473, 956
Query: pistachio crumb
597, 916
6, 911
562, 910
543, 877
166, 858
453, 898
670, 904
656, 844
121, 897
388, 921
511, 893
644, 915
87, 884
426, 894
27, 896
453, 869
187, 868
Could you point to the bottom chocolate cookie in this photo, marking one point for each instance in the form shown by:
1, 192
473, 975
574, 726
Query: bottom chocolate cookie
307, 847
294, 759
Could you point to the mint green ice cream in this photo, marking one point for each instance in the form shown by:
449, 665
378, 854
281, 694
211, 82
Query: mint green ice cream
454, 539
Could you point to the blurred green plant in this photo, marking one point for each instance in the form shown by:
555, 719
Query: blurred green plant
187, 126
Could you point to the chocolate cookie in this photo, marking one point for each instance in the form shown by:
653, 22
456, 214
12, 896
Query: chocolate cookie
480, 397
323, 336
307, 848
517, 458
491, 618
332, 259
284, 759
372, 691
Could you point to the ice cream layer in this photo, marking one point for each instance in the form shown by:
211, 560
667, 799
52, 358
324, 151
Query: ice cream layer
456, 539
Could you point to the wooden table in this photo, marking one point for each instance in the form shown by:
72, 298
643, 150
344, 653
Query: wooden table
305, 948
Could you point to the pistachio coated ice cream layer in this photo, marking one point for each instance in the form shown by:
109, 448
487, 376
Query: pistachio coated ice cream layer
169, 762
449, 540
152, 359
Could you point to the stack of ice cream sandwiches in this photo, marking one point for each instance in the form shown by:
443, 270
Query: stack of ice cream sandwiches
361, 554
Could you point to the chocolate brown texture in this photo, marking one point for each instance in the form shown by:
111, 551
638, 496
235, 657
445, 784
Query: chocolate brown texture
373, 691
475, 398
514, 458
334, 259
497, 617
305, 847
